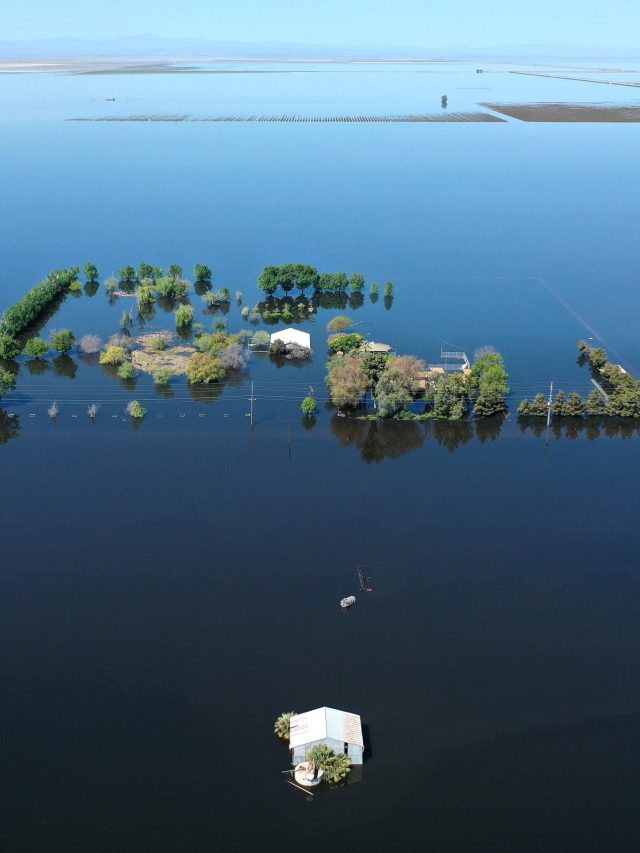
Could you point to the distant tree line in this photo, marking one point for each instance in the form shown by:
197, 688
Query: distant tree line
621, 388
302, 276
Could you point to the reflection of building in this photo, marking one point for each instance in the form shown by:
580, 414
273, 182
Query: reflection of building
293, 336
339, 730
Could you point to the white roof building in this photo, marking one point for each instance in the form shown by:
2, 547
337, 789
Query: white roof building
293, 336
339, 730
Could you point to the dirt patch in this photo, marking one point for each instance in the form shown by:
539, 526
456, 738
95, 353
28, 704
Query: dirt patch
556, 112
148, 360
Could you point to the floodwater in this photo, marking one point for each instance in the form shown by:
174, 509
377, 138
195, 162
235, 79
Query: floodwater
170, 588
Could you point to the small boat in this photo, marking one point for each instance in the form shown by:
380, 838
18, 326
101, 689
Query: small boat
347, 602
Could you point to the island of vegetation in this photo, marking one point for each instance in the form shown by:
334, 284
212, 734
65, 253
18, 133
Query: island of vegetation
617, 393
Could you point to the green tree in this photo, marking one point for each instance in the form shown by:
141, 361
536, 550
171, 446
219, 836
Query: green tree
388, 290
91, 271
113, 355
356, 282
335, 767
596, 403
7, 382
36, 347
260, 338
449, 396
538, 407
574, 406
8, 347
145, 271
339, 324
597, 357
308, 406
162, 376
204, 367
201, 272
18, 317
127, 371
282, 725
398, 384
184, 316
135, 410
63, 341
175, 271
558, 404
345, 343
346, 380
127, 273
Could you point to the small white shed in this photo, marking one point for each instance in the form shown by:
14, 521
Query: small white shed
293, 336
339, 730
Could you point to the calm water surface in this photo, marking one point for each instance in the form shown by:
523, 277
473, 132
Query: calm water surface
169, 589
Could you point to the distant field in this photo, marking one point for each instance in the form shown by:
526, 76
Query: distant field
556, 112
425, 117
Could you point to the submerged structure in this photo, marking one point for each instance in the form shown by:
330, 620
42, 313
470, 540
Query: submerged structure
339, 730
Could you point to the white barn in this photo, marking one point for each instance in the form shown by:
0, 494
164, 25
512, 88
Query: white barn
293, 336
339, 730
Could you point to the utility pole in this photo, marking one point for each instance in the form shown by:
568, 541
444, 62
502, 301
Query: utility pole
251, 399
546, 441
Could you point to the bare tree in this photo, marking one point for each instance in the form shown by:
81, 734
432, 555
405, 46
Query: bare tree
90, 344
92, 411
233, 357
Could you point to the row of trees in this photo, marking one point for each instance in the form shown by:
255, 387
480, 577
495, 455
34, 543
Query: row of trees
23, 313
302, 276
622, 390
129, 274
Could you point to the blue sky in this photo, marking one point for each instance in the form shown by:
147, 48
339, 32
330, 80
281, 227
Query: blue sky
427, 23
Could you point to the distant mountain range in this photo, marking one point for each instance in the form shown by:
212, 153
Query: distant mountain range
156, 47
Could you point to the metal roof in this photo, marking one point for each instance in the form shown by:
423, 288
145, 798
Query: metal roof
293, 336
324, 723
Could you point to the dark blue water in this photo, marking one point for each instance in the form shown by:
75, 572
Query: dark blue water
168, 589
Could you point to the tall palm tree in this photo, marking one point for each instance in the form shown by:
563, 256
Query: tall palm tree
281, 727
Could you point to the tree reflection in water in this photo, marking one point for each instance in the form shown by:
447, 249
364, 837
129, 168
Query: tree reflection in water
572, 428
38, 366
64, 365
9, 426
378, 440
206, 393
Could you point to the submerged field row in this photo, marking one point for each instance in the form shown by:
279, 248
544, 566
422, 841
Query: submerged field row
411, 118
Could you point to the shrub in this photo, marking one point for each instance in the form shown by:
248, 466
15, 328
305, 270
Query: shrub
375, 288
127, 273
91, 272
135, 409
63, 341
260, 339
7, 382
162, 376
308, 406
127, 371
92, 410
175, 271
20, 315
8, 347
388, 290
125, 320
75, 287
111, 284
233, 357
90, 344
198, 329
339, 324
113, 355
239, 297
345, 343
157, 343
245, 312
356, 282
145, 295
204, 367
201, 272
36, 347
145, 271
184, 316
278, 347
